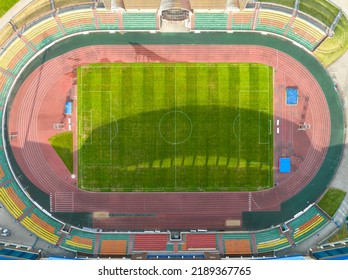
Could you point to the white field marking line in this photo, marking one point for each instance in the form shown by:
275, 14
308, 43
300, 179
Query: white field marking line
239, 128
250, 91
90, 111
83, 121
116, 130
110, 130
268, 93
191, 64
160, 125
72, 202
263, 143
96, 53
91, 170
175, 128
81, 176
270, 161
90, 142
234, 131
78, 128
226, 65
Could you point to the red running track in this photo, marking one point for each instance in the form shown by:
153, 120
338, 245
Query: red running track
39, 103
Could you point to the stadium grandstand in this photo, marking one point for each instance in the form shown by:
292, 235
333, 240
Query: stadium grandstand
271, 222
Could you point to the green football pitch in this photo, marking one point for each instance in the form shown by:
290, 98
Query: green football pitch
175, 127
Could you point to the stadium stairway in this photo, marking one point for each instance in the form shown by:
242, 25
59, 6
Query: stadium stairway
27, 42
254, 244
96, 245
26, 213
307, 223
270, 240
59, 23
291, 21
256, 15
96, 18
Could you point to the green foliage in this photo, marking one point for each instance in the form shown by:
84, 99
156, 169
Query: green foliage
340, 235
333, 48
175, 127
331, 201
63, 145
288, 3
5, 5
321, 10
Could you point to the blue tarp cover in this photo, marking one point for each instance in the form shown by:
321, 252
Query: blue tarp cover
68, 108
284, 165
291, 96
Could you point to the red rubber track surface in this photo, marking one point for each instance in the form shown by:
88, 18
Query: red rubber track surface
40, 103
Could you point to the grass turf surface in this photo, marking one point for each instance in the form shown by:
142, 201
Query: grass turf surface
321, 10
288, 3
331, 201
5, 5
175, 127
62, 143
334, 47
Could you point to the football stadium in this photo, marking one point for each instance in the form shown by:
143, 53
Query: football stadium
173, 129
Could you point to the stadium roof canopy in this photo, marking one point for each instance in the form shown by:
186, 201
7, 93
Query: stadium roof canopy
175, 4
208, 4
147, 4
116, 3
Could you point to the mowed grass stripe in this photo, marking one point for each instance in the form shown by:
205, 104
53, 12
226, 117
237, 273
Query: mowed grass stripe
180, 87
137, 96
213, 84
191, 89
202, 86
223, 87
169, 84
234, 85
148, 89
202, 105
159, 88
127, 107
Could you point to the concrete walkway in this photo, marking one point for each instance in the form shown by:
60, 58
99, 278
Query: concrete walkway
21, 236
13, 11
343, 4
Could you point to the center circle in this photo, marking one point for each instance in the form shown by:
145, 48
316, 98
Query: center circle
175, 127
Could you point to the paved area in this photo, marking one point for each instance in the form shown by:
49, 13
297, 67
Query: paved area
343, 4
21, 236
13, 11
